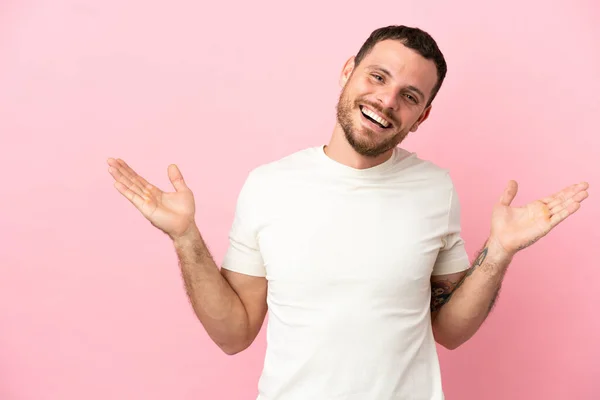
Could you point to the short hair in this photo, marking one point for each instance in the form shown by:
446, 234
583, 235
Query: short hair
413, 38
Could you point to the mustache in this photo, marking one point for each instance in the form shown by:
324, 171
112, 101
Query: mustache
376, 107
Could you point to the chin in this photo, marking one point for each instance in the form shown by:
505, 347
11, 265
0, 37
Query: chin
363, 144
365, 141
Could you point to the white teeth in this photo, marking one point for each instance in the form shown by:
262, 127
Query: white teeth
376, 117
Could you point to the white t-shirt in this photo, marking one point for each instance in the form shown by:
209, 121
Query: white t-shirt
348, 255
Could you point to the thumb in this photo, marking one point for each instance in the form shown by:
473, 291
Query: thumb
176, 178
509, 193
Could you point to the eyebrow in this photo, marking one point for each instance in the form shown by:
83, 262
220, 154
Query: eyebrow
386, 72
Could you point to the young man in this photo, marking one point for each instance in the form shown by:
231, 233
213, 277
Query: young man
354, 247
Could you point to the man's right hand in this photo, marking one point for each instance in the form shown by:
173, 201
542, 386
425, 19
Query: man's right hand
171, 212
230, 305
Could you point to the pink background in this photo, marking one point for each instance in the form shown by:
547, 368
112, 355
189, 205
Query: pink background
91, 301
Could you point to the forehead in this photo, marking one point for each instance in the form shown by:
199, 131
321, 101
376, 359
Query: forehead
405, 65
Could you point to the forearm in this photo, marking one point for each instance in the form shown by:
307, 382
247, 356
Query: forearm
215, 303
472, 299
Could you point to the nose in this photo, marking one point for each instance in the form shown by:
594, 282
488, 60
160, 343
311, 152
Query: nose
388, 99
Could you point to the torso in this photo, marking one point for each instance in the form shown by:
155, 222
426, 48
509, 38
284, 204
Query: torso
348, 259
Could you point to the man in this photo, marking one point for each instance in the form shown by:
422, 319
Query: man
353, 247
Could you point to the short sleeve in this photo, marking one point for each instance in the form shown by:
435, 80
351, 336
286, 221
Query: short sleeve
452, 257
243, 253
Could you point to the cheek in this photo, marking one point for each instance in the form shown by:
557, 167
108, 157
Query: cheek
409, 117
361, 89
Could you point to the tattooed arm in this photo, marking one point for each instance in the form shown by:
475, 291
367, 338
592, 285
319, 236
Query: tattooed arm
461, 302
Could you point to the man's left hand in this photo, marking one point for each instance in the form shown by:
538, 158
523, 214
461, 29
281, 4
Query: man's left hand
515, 228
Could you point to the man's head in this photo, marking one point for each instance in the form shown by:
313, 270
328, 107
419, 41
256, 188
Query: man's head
388, 88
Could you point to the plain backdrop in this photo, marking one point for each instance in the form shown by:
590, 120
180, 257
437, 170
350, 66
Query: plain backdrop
92, 305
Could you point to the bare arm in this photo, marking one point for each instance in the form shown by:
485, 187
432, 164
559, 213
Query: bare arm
231, 306
461, 302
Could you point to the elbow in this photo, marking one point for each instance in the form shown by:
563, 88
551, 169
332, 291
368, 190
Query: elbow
450, 345
231, 351
447, 341
233, 348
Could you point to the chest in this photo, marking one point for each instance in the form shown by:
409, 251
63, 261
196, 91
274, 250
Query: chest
386, 236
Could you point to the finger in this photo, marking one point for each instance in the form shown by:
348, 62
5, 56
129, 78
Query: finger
509, 193
131, 174
568, 204
564, 213
176, 178
125, 181
562, 198
137, 200
565, 194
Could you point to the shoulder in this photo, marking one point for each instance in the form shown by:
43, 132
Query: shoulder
432, 182
439, 190
264, 177
419, 168
298, 161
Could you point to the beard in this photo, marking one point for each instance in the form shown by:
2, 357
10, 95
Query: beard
367, 142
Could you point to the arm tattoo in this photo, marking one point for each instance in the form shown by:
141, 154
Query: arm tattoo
441, 291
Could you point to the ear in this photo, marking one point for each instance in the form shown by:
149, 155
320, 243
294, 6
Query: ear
347, 71
421, 119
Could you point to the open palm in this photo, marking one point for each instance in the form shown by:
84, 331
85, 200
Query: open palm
516, 228
173, 212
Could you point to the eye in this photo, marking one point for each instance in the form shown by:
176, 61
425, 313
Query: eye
377, 77
411, 98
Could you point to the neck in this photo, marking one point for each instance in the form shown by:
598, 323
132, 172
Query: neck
340, 150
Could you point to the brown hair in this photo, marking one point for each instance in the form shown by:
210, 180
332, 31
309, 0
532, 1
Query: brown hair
413, 38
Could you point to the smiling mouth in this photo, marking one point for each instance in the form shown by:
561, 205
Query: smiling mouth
374, 118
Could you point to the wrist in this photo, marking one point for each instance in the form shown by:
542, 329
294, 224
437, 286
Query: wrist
191, 234
497, 254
